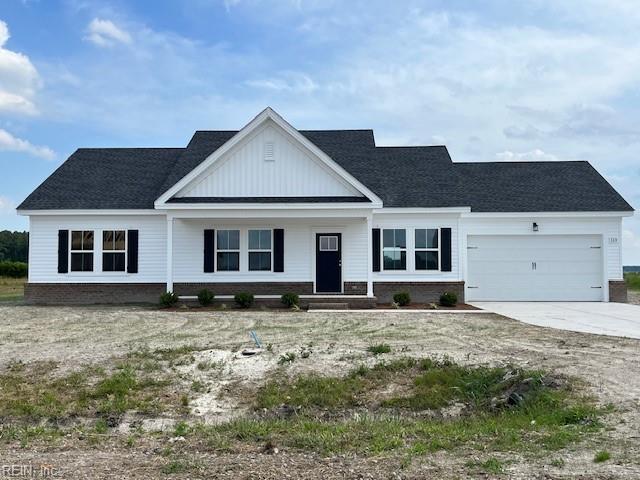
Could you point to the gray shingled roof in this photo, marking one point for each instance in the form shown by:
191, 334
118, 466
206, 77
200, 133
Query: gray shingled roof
128, 178
105, 178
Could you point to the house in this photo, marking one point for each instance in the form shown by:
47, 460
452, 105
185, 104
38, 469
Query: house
323, 213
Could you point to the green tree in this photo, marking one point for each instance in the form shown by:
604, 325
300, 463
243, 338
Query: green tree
14, 246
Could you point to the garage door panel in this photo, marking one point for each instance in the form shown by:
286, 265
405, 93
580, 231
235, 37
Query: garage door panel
504, 267
538, 268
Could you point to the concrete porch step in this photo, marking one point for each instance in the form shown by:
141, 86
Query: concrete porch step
328, 306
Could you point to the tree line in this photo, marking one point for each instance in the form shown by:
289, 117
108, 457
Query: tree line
14, 246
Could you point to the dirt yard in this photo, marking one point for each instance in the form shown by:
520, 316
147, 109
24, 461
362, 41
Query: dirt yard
201, 351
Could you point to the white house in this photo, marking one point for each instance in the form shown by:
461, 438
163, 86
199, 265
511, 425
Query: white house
325, 214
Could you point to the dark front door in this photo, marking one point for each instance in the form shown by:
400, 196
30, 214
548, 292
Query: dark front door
328, 263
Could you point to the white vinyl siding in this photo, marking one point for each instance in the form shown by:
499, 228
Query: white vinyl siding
43, 247
412, 222
291, 171
299, 249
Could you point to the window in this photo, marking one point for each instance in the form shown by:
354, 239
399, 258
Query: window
260, 250
228, 250
82, 250
328, 243
113, 250
427, 249
394, 249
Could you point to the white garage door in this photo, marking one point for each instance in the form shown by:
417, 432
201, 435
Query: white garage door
534, 268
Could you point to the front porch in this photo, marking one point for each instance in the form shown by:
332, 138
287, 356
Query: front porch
322, 256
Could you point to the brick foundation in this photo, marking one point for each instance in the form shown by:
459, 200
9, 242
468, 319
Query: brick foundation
123, 293
421, 292
257, 288
618, 291
91, 293
355, 288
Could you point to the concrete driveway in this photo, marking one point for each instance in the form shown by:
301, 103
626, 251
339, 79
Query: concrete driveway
617, 319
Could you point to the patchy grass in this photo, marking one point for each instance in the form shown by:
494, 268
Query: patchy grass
373, 435
286, 358
379, 349
11, 289
602, 456
30, 393
633, 280
428, 384
336, 415
491, 465
27, 434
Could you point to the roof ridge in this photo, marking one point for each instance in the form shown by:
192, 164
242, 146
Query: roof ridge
129, 148
517, 162
411, 146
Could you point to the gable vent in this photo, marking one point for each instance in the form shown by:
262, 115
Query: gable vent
269, 155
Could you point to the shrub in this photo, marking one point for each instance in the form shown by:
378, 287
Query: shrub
379, 349
448, 299
601, 456
205, 297
290, 299
288, 357
244, 299
402, 298
13, 269
168, 299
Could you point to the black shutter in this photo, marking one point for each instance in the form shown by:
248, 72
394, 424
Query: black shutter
209, 247
445, 249
63, 251
132, 251
375, 240
278, 250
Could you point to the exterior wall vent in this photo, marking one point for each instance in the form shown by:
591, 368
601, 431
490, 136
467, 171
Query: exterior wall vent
269, 152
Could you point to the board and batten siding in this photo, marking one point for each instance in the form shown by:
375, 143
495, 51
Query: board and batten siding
410, 222
606, 227
299, 249
291, 172
43, 248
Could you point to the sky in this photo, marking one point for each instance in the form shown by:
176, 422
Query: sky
492, 80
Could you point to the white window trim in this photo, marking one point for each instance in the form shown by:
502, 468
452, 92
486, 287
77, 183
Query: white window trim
228, 250
405, 249
259, 250
71, 251
411, 270
328, 237
427, 249
103, 251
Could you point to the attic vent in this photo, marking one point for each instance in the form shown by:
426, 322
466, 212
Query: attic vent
269, 155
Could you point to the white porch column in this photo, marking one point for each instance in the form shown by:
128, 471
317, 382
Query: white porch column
369, 256
169, 253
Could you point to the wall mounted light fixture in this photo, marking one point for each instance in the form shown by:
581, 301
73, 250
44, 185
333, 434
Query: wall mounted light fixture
535, 227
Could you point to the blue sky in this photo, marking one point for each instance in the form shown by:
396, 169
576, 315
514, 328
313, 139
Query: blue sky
493, 80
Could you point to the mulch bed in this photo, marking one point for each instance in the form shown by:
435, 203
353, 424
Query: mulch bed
426, 306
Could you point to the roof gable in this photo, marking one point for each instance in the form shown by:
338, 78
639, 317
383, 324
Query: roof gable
244, 171
242, 157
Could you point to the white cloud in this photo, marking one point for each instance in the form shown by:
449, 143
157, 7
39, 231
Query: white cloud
105, 33
19, 79
7, 206
527, 132
290, 82
631, 242
13, 144
533, 155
